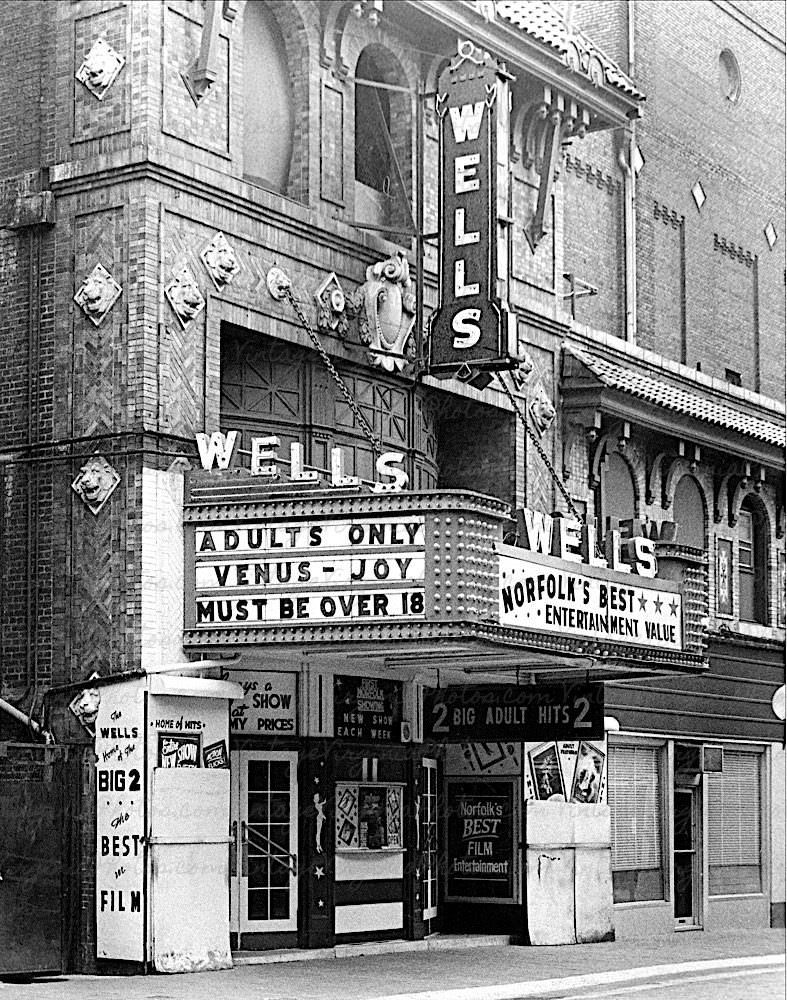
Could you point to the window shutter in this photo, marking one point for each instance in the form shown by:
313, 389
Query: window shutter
734, 811
633, 793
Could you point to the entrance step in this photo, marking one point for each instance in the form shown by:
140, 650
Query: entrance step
435, 942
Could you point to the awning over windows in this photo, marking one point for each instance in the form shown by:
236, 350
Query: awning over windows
656, 399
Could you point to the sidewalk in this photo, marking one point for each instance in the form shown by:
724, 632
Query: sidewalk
487, 973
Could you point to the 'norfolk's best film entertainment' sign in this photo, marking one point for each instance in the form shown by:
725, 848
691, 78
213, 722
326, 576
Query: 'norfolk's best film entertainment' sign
470, 328
558, 583
480, 834
275, 572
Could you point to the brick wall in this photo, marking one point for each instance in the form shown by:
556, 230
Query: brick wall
690, 132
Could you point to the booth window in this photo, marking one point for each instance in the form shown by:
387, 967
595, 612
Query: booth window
368, 817
634, 794
734, 856
752, 565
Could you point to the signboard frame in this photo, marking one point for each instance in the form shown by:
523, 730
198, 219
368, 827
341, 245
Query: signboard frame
393, 704
486, 788
566, 712
621, 589
472, 328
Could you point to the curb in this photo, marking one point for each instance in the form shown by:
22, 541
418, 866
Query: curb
540, 987
434, 943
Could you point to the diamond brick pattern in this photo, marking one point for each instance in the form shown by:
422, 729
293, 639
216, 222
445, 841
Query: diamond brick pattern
698, 194
672, 397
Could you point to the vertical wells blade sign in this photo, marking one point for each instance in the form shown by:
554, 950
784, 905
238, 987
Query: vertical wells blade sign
472, 328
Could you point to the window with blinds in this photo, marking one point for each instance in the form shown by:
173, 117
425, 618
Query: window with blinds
634, 795
734, 834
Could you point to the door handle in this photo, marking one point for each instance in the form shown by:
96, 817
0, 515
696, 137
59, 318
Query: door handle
234, 849
244, 850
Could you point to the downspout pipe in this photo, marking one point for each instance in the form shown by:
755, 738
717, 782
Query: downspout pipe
31, 724
630, 233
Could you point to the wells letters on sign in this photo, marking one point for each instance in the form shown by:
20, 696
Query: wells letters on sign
470, 328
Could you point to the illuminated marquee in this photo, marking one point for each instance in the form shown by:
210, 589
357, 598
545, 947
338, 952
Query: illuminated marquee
556, 582
274, 572
472, 327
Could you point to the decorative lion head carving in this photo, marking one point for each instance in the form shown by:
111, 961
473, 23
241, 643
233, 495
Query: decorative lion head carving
331, 307
95, 483
387, 304
542, 411
85, 707
184, 296
98, 294
100, 68
220, 261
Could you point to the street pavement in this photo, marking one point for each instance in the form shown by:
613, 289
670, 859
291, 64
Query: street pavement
743, 965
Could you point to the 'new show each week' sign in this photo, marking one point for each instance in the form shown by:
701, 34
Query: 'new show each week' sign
360, 570
579, 595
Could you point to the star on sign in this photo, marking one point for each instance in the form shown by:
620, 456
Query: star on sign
643, 603
673, 608
658, 604
319, 872
320, 903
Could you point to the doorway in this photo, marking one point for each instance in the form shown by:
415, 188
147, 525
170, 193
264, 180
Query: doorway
264, 831
687, 859
428, 837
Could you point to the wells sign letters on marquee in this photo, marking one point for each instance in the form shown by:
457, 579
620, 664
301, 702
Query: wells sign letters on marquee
557, 583
472, 327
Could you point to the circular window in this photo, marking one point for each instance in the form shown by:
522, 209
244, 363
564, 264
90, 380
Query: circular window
729, 77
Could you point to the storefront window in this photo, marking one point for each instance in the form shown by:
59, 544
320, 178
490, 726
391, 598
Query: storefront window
634, 794
368, 817
734, 862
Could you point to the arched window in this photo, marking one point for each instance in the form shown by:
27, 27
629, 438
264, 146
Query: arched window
752, 564
618, 495
269, 117
373, 165
383, 148
689, 512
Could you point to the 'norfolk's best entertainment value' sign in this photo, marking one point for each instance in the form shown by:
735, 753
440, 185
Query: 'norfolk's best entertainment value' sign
275, 572
559, 583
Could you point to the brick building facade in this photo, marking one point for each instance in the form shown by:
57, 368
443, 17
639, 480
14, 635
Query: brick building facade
160, 159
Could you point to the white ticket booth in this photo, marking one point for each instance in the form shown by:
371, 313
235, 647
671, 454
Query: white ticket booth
162, 822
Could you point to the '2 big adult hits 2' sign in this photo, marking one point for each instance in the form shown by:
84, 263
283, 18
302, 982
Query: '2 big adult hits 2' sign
472, 328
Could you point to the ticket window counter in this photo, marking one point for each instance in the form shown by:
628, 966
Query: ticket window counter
369, 859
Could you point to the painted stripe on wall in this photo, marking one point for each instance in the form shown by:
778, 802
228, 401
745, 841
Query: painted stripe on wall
368, 865
387, 890
369, 917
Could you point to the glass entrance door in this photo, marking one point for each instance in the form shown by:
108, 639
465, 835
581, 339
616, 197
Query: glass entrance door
428, 835
264, 872
687, 860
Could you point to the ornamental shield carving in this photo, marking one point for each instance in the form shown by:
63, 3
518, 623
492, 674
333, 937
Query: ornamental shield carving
386, 302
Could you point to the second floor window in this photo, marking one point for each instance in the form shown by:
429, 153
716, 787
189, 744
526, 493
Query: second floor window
752, 567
